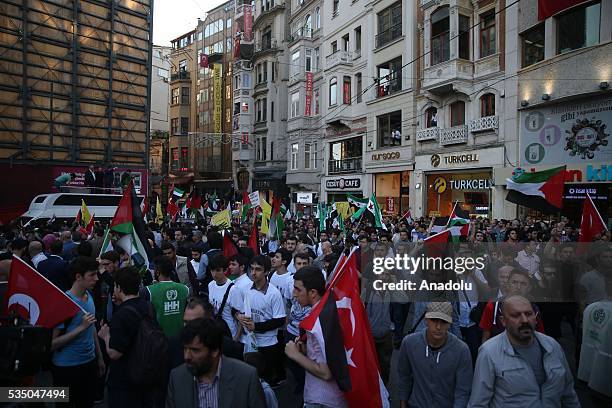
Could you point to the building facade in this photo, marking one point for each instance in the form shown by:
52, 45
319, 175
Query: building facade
160, 89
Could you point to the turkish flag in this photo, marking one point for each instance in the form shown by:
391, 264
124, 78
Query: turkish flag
34, 298
342, 296
592, 224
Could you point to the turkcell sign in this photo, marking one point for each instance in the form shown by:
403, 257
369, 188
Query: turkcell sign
600, 173
476, 184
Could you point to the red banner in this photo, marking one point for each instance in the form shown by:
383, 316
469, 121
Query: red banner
248, 22
245, 138
307, 107
547, 8
203, 60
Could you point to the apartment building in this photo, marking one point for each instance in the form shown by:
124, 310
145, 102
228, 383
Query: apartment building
465, 105
564, 102
182, 112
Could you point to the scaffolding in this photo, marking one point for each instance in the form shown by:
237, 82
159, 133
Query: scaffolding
75, 81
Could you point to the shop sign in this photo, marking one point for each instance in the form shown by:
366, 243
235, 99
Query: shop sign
390, 204
436, 159
343, 183
386, 156
439, 185
476, 184
304, 198
571, 132
577, 192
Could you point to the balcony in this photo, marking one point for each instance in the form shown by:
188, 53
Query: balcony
303, 33
390, 34
180, 76
266, 45
351, 165
439, 78
484, 124
424, 135
454, 135
337, 58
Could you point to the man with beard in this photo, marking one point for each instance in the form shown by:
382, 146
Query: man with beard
521, 367
209, 379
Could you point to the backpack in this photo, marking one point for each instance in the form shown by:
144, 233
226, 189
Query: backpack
148, 358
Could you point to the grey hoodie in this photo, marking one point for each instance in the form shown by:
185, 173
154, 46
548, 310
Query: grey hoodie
434, 379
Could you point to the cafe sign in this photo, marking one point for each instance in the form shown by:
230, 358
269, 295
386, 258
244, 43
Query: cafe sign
343, 183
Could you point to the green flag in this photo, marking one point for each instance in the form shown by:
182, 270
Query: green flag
375, 210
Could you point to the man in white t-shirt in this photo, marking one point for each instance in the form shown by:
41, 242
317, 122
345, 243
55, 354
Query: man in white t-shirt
237, 268
281, 278
222, 294
263, 314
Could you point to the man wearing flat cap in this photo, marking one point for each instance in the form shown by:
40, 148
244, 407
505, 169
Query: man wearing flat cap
434, 367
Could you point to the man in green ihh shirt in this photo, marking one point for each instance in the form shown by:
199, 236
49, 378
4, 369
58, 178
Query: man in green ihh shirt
168, 298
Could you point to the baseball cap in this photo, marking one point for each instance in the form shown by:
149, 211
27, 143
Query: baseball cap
439, 310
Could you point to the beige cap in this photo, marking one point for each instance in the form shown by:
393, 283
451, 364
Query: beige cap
439, 310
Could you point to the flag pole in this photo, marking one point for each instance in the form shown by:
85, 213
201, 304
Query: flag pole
452, 212
597, 211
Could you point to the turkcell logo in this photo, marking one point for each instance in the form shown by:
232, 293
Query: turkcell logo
601, 173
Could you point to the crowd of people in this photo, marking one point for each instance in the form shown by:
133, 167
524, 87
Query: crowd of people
224, 330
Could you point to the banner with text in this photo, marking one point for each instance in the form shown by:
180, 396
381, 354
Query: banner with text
218, 92
307, 108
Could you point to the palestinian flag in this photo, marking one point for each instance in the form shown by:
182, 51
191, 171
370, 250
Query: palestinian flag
375, 210
277, 224
194, 202
177, 194
541, 190
459, 223
440, 224
322, 216
128, 222
246, 206
357, 201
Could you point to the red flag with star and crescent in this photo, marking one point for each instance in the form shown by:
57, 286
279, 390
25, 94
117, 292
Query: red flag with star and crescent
340, 324
35, 298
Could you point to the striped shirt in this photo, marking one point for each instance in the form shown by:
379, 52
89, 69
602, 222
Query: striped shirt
208, 393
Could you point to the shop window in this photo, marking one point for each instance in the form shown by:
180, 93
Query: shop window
487, 34
464, 37
440, 36
431, 117
390, 77
294, 156
333, 91
359, 87
389, 129
487, 105
389, 24
457, 111
346, 90
578, 28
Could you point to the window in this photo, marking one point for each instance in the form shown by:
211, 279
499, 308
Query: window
315, 94
229, 44
345, 42
314, 154
389, 24
246, 80
487, 34
272, 111
431, 117
228, 23
578, 28
464, 37
265, 71
258, 109
162, 73
182, 65
533, 45
359, 89
308, 60
295, 104
308, 26
317, 18
440, 39
184, 159
358, 39
346, 90
175, 159
294, 156
487, 105
184, 125
236, 108
334, 46
185, 95
307, 147
271, 150
457, 111
390, 77
273, 70
205, 95
317, 54
335, 8
295, 63
266, 39
174, 126
175, 95
265, 109
389, 129
333, 88
264, 146
258, 150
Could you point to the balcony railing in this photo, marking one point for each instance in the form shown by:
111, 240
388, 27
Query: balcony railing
454, 135
301, 33
266, 45
431, 133
350, 165
177, 76
338, 57
390, 34
484, 124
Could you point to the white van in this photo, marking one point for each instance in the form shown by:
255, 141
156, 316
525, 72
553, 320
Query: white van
65, 206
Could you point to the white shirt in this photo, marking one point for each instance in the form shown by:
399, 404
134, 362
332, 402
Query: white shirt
530, 262
265, 306
215, 297
284, 284
596, 351
39, 257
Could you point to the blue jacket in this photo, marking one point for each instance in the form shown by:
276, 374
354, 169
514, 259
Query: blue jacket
502, 378
55, 269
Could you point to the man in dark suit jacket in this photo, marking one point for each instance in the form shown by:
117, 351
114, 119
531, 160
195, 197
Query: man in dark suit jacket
230, 383
55, 268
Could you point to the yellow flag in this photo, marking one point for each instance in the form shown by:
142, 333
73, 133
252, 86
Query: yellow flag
85, 216
159, 215
222, 219
343, 209
266, 212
